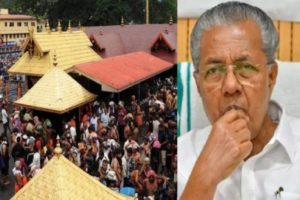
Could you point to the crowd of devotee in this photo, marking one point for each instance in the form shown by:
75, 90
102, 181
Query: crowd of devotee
126, 144
6, 61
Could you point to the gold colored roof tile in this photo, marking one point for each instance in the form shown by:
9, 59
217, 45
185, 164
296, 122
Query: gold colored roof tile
71, 48
61, 179
35, 66
56, 92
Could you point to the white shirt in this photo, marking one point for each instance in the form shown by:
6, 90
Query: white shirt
258, 178
73, 133
105, 118
94, 122
36, 160
155, 128
4, 116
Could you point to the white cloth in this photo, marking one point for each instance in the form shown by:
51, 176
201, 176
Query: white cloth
155, 128
36, 160
4, 116
124, 166
73, 133
94, 122
16, 172
105, 118
258, 178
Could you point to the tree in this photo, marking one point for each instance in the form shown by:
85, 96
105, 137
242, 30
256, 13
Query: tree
94, 12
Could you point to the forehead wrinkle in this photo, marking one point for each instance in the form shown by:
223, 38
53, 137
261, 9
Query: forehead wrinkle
231, 58
244, 56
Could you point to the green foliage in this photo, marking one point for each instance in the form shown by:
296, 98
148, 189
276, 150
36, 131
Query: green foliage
94, 12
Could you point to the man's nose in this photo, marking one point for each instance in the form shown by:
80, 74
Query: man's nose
231, 85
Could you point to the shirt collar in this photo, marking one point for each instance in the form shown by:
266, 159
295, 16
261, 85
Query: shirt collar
283, 134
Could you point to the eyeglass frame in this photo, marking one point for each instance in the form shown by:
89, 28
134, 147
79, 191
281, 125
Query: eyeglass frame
256, 67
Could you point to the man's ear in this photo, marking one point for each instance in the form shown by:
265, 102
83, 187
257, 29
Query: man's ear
273, 75
197, 79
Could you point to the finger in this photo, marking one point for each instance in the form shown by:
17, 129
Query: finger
243, 135
232, 115
238, 124
245, 149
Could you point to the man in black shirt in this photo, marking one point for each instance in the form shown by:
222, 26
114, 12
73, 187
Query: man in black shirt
18, 150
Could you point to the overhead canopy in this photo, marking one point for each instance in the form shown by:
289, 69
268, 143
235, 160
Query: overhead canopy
70, 47
56, 92
121, 72
61, 179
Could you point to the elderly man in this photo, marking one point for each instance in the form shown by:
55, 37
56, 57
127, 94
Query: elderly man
251, 150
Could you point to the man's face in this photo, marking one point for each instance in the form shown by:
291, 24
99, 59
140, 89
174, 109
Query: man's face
151, 179
239, 42
104, 166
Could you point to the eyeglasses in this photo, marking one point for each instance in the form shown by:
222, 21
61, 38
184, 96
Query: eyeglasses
215, 73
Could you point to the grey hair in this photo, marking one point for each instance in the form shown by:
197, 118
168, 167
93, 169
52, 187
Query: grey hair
230, 13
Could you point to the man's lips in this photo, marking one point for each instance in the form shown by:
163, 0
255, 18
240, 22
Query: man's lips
236, 107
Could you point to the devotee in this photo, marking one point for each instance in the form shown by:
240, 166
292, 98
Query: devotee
4, 158
5, 120
101, 153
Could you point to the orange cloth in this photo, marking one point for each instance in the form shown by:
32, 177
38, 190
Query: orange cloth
24, 181
139, 120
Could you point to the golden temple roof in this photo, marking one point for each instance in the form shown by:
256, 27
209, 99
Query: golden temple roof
71, 47
56, 92
60, 179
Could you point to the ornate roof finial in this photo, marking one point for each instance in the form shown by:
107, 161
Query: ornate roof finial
55, 61
47, 26
30, 30
171, 20
79, 26
166, 30
100, 32
30, 43
122, 21
59, 26
69, 27
57, 150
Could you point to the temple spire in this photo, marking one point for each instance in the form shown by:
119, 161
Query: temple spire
122, 21
59, 26
47, 26
171, 20
69, 26
79, 26
57, 150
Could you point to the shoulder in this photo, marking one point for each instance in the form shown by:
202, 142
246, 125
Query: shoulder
294, 122
292, 125
189, 147
192, 142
